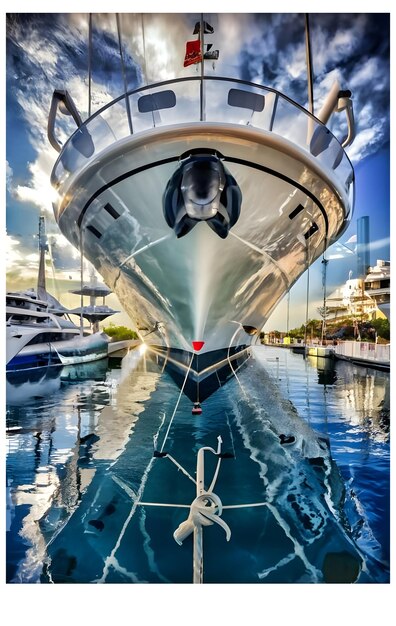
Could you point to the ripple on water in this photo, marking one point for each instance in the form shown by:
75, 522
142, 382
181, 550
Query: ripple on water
90, 448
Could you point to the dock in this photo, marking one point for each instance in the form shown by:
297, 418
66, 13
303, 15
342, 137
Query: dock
118, 349
364, 353
358, 352
322, 351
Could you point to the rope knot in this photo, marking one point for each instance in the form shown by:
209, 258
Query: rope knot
205, 510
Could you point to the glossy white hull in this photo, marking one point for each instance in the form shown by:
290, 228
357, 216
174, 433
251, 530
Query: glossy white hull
23, 355
143, 181
201, 287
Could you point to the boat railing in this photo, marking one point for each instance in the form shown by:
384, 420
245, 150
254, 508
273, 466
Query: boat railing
178, 101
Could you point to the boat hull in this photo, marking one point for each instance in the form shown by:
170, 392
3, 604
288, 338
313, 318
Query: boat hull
57, 353
201, 287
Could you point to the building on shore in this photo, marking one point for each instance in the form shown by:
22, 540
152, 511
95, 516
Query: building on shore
368, 296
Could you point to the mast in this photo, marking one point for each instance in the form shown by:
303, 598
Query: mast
89, 64
324, 280
124, 77
43, 248
309, 64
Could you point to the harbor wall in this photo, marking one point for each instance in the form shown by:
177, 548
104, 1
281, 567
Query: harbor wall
363, 351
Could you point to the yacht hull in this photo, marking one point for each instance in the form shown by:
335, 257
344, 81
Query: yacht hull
201, 287
75, 350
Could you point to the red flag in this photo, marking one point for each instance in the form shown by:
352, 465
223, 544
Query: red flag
193, 52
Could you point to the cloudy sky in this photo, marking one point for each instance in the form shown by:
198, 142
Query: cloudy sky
49, 51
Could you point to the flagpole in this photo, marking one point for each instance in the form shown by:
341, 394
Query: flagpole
202, 94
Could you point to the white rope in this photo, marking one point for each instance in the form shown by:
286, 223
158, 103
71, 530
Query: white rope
215, 475
178, 506
244, 506
177, 404
228, 355
229, 359
181, 468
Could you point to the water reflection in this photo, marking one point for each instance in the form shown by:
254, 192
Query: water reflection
326, 368
65, 421
354, 413
96, 370
77, 456
366, 393
30, 385
24, 386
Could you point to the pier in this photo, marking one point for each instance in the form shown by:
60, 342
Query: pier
362, 353
119, 349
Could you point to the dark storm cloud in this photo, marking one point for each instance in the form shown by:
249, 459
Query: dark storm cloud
352, 48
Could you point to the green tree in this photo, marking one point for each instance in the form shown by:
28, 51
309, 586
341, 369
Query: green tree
382, 328
120, 333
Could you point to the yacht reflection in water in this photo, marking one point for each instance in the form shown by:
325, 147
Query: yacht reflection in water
42, 382
60, 423
76, 463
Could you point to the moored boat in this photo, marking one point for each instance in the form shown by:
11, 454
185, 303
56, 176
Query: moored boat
200, 201
39, 331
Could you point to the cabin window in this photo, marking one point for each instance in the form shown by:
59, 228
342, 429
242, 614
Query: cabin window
156, 101
314, 228
296, 211
246, 100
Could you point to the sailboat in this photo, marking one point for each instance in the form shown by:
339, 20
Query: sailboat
201, 200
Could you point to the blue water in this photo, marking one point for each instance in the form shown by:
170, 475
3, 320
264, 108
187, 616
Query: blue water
80, 456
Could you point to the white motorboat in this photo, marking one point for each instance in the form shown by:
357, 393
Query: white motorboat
39, 332
200, 201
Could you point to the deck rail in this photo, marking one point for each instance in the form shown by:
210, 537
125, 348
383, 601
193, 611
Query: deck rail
177, 101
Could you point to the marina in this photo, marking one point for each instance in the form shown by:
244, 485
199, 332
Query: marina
216, 177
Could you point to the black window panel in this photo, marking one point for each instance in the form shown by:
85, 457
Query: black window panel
50, 337
296, 211
246, 100
94, 231
311, 231
110, 209
45, 338
156, 101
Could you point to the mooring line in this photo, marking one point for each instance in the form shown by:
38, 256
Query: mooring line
177, 404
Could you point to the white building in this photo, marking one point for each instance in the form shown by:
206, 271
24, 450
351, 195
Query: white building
369, 296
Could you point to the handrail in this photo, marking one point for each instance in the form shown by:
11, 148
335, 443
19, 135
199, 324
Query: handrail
170, 81
61, 99
279, 96
345, 104
338, 100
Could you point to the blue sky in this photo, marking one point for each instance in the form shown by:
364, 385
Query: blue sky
48, 51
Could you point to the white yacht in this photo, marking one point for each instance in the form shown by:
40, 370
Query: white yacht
200, 201
39, 332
